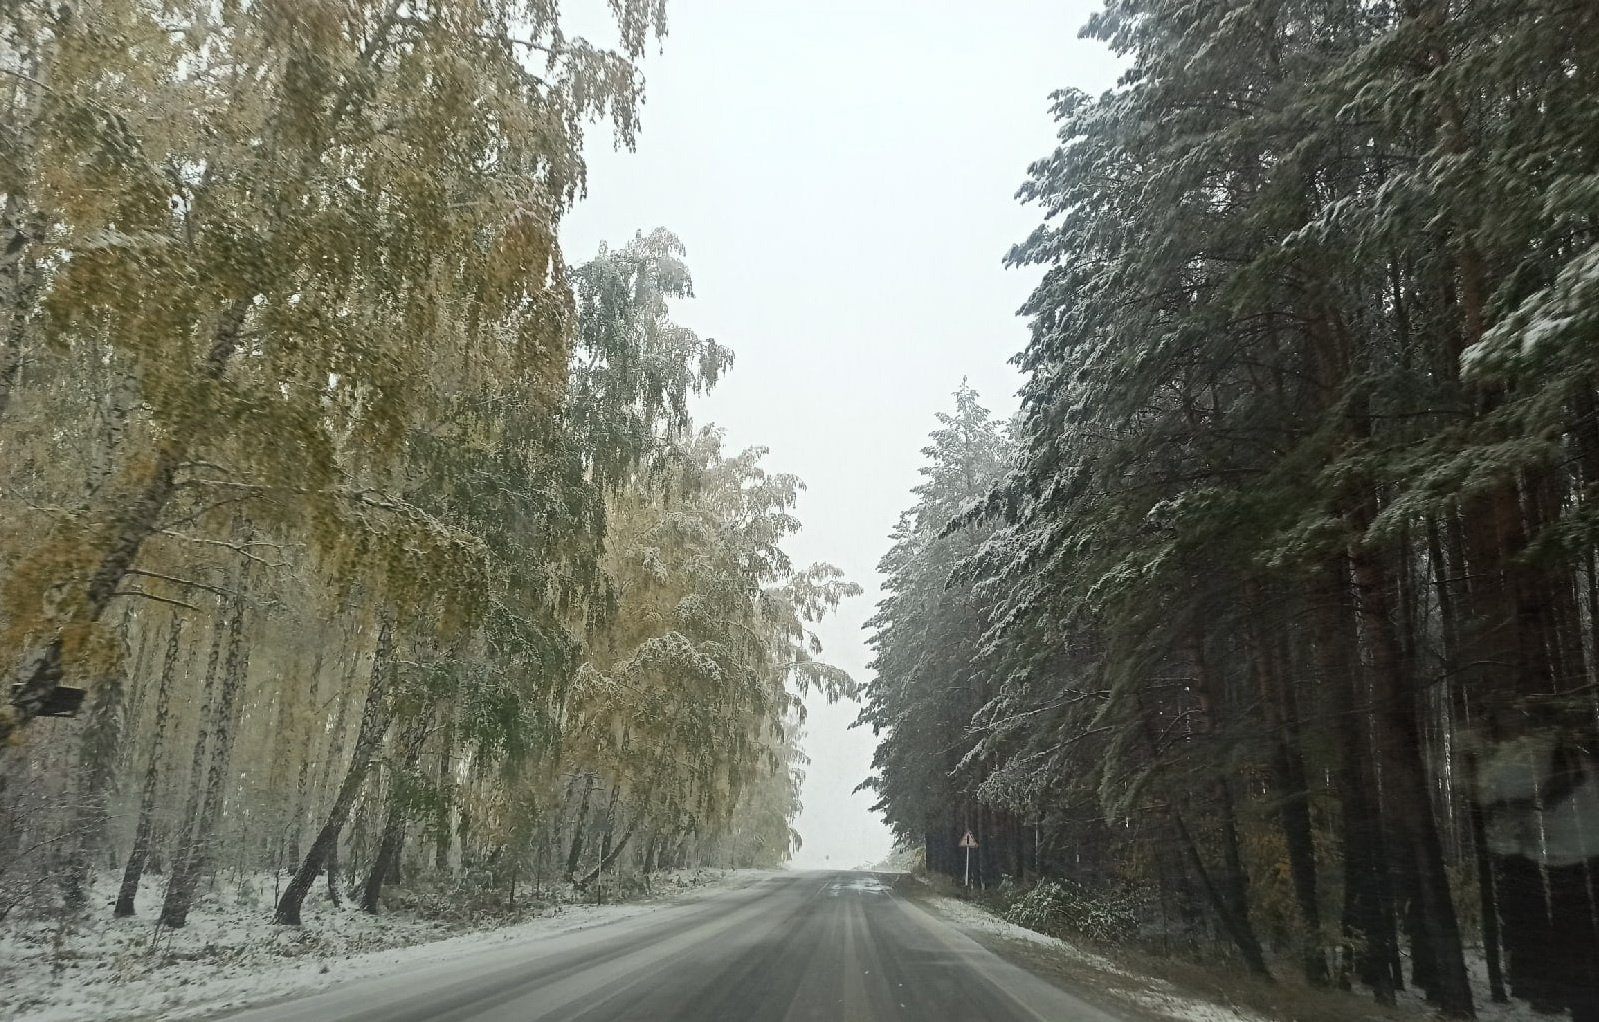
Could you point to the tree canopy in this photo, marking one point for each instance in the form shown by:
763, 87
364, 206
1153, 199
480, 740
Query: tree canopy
1284, 601
375, 535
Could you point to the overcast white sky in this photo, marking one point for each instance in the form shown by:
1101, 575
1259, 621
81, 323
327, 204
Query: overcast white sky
842, 173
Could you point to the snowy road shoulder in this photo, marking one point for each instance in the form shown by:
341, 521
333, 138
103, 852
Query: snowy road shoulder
1117, 987
231, 954
1123, 985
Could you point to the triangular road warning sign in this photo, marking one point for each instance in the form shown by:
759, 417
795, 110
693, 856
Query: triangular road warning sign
968, 841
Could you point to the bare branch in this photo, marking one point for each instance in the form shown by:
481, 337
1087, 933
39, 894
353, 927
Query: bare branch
242, 549
158, 599
181, 581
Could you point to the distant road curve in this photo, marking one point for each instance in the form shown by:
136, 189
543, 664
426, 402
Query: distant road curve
832, 947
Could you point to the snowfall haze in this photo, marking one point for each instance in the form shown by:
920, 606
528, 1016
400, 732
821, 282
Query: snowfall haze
445, 446
842, 175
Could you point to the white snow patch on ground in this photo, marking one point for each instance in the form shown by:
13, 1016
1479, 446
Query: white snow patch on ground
1174, 1005
231, 954
1163, 999
974, 917
866, 884
1412, 1001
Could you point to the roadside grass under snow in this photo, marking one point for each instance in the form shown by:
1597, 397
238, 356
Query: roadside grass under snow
1146, 987
1152, 997
95, 967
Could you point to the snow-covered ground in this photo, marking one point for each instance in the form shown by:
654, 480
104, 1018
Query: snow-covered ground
1154, 996
231, 953
1412, 1001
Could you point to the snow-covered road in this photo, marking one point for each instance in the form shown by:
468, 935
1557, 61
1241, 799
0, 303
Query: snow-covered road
790, 946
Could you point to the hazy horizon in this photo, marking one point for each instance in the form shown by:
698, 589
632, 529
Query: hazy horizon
842, 175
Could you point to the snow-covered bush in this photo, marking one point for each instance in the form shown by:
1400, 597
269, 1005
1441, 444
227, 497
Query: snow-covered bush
1061, 908
464, 901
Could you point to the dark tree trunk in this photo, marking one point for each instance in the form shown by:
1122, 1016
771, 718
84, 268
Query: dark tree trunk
1490, 904
1411, 819
1449, 571
649, 855
575, 856
181, 854
334, 753
333, 874
195, 859
608, 856
387, 861
605, 840
1229, 896
302, 779
374, 722
1293, 795
144, 830
445, 795
97, 758
1550, 934
1223, 902
1234, 879
1370, 942
1423, 955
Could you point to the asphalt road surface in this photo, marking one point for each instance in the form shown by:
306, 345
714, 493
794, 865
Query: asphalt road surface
833, 947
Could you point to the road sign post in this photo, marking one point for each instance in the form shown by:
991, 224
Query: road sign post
968, 843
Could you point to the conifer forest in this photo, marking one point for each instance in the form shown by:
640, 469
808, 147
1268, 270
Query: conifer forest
358, 535
1270, 620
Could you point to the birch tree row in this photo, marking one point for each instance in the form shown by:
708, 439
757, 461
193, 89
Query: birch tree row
349, 532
